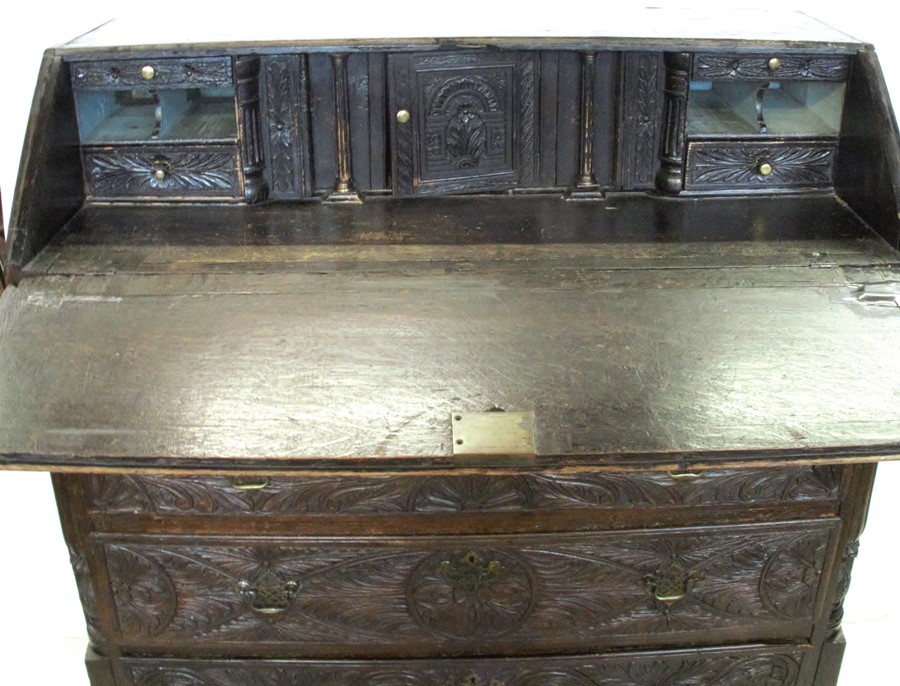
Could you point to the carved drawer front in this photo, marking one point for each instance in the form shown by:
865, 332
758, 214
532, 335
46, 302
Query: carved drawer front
770, 66
152, 72
442, 494
424, 596
751, 165
463, 121
162, 172
775, 666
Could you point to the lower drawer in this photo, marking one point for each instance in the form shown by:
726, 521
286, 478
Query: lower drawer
754, 666
466, 595
759, 165
171, 172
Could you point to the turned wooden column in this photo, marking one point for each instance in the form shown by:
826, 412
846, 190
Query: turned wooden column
670, 177
585, 184
251, 140
343, 190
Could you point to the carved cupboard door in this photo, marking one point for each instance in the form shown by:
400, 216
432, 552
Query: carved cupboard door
463, 121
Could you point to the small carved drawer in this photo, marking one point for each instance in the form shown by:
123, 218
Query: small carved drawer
772, 666
152, 71
765, 66
467, 595
112, 494
162, 172
759, 165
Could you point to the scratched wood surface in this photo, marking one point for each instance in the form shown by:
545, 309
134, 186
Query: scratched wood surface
633, 353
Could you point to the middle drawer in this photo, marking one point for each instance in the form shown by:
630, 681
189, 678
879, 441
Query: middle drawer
475, 595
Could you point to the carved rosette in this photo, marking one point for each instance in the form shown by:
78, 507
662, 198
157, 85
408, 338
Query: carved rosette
145, 595
756, 67
470, 594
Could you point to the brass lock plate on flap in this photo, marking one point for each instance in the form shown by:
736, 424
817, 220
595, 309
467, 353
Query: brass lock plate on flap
493, 438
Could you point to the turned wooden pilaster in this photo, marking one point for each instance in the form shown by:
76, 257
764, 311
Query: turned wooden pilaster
585, 184
670, 177
252, 160
343, 190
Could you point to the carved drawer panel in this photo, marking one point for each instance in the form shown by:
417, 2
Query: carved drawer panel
751, 165
776, 666
153, 72
766, 66
425, 596
440, 494
162, 172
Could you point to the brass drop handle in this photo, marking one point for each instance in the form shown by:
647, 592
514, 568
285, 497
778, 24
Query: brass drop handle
685, 476
774, 64
269, 594
764, 168
670, 584
148, 72
249, 483
403, 116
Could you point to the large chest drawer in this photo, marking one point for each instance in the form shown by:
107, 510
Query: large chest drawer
755, 666
468, 594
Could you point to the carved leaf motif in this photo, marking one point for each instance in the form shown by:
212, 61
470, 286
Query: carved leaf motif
738, 165
466, 138
757, 67
773, 667
86, 593
132, 173
458, 493
279, 119
145, 594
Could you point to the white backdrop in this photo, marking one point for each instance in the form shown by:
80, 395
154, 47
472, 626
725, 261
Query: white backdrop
42, 636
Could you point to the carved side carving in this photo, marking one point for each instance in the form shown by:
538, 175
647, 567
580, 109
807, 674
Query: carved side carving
528, 128
737, 165
641, 120
670, 177
251, 141
794, 67
287, 112
391, 494
774, 667
171, 172
843, 585
87, 596
537, 591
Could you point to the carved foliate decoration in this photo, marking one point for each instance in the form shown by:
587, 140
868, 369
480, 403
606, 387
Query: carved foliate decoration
756, 67
210, 495
473, 123
758, 667
641, 119
168, 73
178, 171
466, 594
286, 121
86, 594
843, 585
738, 165
529, 588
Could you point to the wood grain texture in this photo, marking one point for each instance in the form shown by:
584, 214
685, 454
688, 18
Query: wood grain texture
471, 595
256, 377
754, 666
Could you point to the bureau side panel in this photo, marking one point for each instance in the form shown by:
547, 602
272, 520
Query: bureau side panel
50, 185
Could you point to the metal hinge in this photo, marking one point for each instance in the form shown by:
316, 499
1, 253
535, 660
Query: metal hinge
885, 293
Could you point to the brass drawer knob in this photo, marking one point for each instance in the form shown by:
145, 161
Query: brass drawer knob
774, 64
160, 174
764, 168
403, 116
148, 72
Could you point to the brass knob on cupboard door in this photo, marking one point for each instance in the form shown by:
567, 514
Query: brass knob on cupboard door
774, 64
403, 116
764, 168
148, 72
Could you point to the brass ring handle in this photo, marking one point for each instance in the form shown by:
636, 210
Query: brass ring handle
249, 483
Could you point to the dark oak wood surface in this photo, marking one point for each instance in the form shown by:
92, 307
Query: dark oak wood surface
641, 352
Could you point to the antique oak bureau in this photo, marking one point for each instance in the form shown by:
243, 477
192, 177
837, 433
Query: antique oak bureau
561, 360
